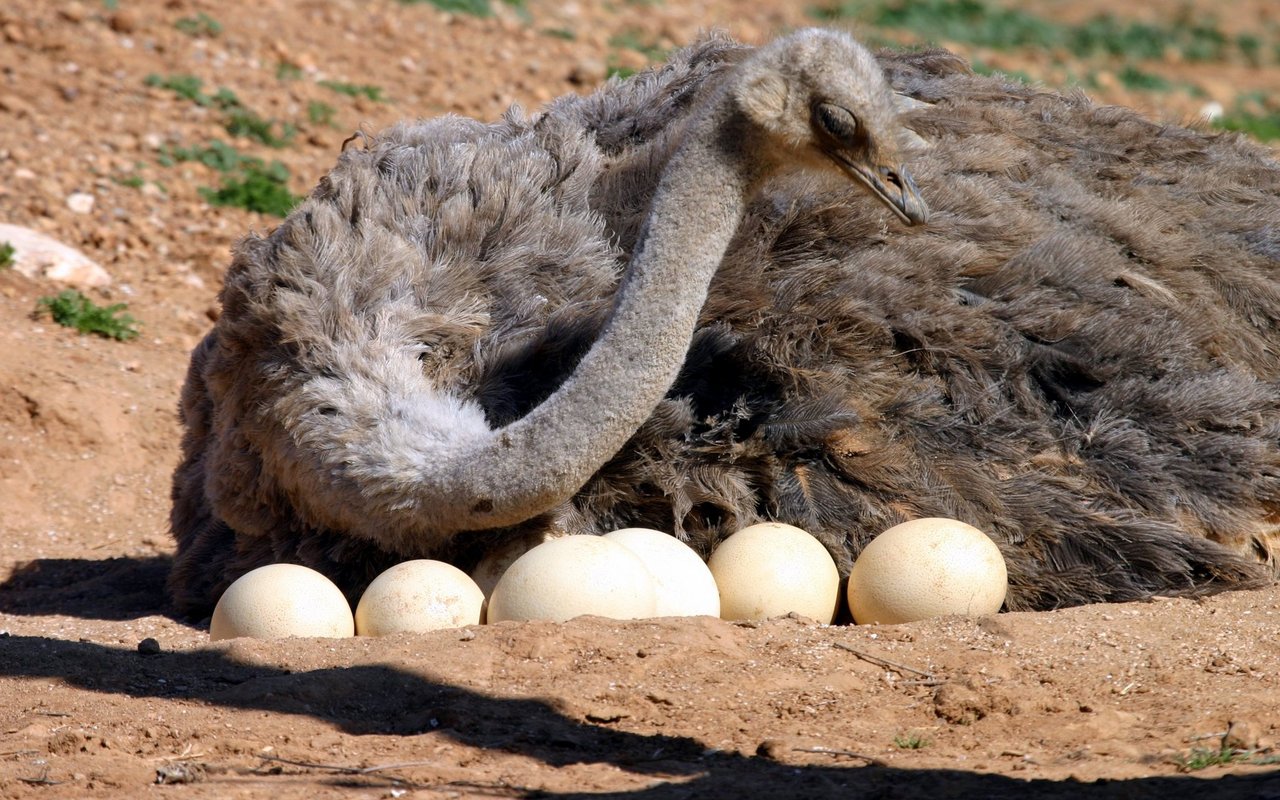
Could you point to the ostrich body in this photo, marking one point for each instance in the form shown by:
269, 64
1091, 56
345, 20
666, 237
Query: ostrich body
668, 304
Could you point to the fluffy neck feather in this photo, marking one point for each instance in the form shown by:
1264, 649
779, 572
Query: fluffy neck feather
541, 459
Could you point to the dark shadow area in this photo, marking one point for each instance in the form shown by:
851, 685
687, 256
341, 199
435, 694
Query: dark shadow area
378, 699
108, 588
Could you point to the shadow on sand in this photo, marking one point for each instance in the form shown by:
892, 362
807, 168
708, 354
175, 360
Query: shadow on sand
380, 699
112, 588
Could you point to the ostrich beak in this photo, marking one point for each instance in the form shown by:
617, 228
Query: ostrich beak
892, 186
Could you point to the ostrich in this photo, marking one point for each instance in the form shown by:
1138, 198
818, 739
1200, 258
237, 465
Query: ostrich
712, 295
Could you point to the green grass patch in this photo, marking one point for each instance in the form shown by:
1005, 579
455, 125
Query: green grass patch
1203, 757
1106, 35
987, 24
288, 72
245, 122
216, 155
476, 8
224, 98
1014, 74
839, 10
1250, 47
355, 89
910, 741
7, 253
971, 21
200, 25
620, 72
131, 181
71, 309
1134, 78
633, 40
320, 113
188, 87
259, 187
240, 119
249, 182
1265, 126
560, 33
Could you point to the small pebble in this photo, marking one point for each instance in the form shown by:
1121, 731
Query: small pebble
587, 72
149, 647
16, 105
80, 202
124, 22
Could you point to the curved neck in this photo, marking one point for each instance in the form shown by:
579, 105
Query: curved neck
542, 459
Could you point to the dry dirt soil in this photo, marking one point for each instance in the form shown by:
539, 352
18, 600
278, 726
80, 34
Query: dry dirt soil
104, 694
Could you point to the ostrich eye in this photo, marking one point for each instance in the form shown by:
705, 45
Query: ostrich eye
327, 411
837, 122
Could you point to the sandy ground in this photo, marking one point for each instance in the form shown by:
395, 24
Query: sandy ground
103, 694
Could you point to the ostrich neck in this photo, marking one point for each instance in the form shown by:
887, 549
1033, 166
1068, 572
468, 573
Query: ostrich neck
542, 459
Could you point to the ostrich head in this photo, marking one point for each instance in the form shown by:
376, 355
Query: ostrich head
823, 99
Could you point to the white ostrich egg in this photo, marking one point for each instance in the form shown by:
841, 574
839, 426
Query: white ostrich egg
772, 569
682, 583
281, 600
496, 560
416, 596
927, 568
571, 576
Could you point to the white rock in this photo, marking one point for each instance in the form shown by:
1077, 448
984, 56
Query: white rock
38, 256
1212, 111
80, 202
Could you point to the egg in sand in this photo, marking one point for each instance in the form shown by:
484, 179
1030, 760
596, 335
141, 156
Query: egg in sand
683, 585
281, 600
416, 596
571, 576
927, 568
772, 569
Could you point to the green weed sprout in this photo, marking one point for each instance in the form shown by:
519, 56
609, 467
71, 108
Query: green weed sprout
71, 309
